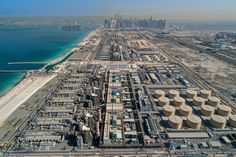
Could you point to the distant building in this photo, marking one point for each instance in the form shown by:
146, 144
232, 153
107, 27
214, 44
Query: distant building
119, 23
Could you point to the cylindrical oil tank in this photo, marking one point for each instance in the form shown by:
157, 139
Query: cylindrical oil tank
232, 120
173, 93
159, 93
178, 101
168, 110
224, 110
185, 110
198, 101
205, 94
191, 94
213, 101
175, 122
207, 110
218, 121
163, 101
194, 122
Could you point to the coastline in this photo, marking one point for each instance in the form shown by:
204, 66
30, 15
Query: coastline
62, 56
10, 101
7, 89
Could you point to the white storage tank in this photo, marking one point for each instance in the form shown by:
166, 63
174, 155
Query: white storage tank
207, 110
232, 120
175, 122
191, 94
168, 110
173, 93
213, 101
194, 122
178, 101
198, 101
205, 94
159, 93
218, 121
224, 110
185, 110
163, 101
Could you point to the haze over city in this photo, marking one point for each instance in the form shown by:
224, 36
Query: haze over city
118, 78
169, 9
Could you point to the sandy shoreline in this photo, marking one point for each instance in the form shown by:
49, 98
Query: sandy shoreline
59, 59
26, 87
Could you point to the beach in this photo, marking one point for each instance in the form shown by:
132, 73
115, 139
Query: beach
21, 92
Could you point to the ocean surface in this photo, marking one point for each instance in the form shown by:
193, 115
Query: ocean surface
32, 43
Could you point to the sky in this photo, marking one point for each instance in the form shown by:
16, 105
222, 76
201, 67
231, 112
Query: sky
170, 9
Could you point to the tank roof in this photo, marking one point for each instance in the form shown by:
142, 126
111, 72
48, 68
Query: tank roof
185, 108
179, 99
199, 99
213, 98
218, 118
207, 108
175, 119
194, 119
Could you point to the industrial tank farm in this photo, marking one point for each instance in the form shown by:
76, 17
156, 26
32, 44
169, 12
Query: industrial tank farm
121, 93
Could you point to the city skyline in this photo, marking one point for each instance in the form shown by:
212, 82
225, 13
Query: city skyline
169, 9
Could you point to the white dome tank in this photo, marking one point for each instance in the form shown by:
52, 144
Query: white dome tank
191, 94
232, 120
163, 101
159, 93
185, 110
198, 101
207, 110
194, 122
175, 122
218, 121
213, 101
205, 94
224, 110
178, 101
173, 93
168, 110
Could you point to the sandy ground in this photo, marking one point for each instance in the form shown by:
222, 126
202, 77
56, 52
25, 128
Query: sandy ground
20, 93
217, 72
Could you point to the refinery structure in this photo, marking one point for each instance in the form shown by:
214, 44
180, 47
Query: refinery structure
120, 93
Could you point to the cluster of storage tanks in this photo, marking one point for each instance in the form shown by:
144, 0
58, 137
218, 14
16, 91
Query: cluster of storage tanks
158, 57
193, 121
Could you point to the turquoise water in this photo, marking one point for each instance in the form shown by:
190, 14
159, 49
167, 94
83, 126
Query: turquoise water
19, 43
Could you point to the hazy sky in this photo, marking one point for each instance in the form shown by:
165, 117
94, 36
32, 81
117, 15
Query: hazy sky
172, 9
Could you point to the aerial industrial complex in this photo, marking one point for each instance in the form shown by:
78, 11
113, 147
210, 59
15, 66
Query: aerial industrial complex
122, 94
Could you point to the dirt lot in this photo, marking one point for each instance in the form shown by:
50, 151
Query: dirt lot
219, 73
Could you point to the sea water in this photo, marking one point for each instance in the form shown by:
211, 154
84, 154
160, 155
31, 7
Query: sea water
32, 43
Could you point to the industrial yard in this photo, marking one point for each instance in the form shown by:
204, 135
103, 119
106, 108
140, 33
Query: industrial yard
123, 92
